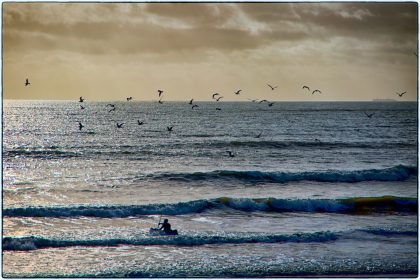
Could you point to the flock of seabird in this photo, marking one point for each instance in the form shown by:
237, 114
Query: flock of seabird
216, 96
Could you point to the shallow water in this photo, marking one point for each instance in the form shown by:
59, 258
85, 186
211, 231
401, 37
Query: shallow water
324, 190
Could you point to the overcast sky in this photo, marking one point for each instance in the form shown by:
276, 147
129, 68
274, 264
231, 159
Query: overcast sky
108, 51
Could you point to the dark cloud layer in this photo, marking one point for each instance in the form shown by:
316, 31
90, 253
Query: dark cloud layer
156, 27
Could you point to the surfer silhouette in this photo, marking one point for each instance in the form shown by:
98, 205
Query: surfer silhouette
166, 226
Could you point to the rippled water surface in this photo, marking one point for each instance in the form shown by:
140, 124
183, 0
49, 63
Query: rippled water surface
324, 190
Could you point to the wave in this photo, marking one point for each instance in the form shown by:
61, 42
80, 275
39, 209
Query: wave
33, 242
356, 205
396, 173
43, 154
308, 144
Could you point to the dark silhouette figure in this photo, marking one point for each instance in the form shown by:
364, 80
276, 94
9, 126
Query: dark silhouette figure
81, 99
81, 107
259, 135
169, 128
113, 109
191, 101
160, 101
219, 98
239, 91
216, 94
119, 125
139, 122
166, 226
218, 109
111, 105
160, 92
315, 91
400, 94
129, 98
270, 104
272, 87
27, 82
369, 115
80, 125
194, 106
306, 88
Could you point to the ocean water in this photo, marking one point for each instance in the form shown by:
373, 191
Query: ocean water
325, 190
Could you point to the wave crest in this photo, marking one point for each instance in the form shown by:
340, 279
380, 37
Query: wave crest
357, 205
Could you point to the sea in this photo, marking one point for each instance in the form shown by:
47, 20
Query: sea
310, 189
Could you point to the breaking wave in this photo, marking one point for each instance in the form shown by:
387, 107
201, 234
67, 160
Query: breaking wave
396, 173
356, 205
33, 242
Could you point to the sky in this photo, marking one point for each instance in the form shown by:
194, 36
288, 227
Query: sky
109, 51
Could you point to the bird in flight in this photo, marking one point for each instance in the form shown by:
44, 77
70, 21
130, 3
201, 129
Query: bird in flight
80, 125
237, 92
81, 99
81, 107
272, 87
369, 115
191, 101
169, 128
230, 153
27, 82
315, 91
194, 106
119, 125
306, 88
140, 122
160, 101
129, 98
160, 92
216, 94
400, 94
219, 98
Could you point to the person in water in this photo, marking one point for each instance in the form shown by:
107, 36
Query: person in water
166, 226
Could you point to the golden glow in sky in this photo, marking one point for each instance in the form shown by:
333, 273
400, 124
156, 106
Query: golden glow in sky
109, 51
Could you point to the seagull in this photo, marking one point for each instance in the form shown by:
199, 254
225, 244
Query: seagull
272, 88
306, 88
119, 125
369, 115
80, 125
160, 92
259, 135
27, 82
169, 128
191, 101
81, 107
400, 94
230, 153
140, 122
218, 109
219, 98
129, 98
270, 104
81, 99
160, 101
194, 106
315, 91
237, 93
113, 109
215, 95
